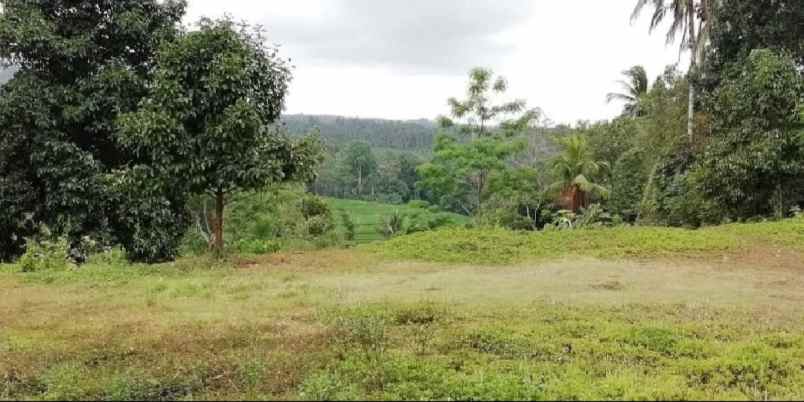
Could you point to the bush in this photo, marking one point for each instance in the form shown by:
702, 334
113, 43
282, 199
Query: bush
420, 204
319, 225
45, 253
257, 223
255, 246
349, 226
312, 206
421, 222
671, 197
393, 225
149, 224
627, 184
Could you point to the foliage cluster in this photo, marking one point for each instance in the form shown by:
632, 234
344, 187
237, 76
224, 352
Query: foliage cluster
117, 115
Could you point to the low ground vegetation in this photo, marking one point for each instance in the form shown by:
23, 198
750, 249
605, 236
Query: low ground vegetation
656, 314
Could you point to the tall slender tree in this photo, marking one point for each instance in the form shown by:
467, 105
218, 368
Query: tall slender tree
690, 19
635, 85
477, 115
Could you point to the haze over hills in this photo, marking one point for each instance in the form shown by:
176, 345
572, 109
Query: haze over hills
402, 135
409, 135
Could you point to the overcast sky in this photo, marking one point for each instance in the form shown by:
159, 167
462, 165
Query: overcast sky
400, 59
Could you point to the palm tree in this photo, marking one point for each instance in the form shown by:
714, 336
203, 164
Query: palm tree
686, 14
635, 85
574, 171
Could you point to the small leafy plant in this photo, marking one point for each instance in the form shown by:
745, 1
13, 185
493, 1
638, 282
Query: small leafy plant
45, 252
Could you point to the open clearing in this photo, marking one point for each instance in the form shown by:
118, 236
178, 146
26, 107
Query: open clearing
347, 324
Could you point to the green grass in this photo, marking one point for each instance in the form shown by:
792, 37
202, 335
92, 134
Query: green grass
368, 215
500, 246
652, 323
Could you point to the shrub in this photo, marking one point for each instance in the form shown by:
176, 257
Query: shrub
419, 314
324, 386
363, 327
392, 225
312, 206
45, 253
150, 217
349, 226
256, 246
319, 225
420, 222
420, 204
627, 183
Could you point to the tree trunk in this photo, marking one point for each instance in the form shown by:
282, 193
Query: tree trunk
359, 181
219, 203
693, 64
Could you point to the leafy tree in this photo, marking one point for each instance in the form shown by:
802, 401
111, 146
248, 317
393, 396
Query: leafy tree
517, 201
670, 196
740, 26
80, 64
628, 180
754, 163
359, 163
575, 173
691, 19
459, 174
458, 177
408, 174
476, 116
660, 131
634, 86
206, 123
609, 140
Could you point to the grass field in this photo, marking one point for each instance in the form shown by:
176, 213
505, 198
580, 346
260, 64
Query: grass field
647, 314
367, 216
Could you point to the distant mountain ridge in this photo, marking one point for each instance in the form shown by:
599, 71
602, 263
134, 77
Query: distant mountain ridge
403, 135
408, 135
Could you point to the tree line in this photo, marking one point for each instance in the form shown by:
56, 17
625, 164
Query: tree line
118, 119
118, 116
721, 142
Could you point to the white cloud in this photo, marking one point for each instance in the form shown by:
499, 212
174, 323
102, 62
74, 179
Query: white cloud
403, 59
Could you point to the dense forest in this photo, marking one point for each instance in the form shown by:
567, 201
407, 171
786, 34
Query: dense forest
413, 135
168, 232
374, 159
167, 109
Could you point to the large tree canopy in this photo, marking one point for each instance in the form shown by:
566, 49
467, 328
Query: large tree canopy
754, 163
81, 63
740, 26
206, 124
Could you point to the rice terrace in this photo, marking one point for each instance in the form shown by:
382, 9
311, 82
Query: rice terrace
187, 212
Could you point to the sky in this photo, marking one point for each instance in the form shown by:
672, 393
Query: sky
399, 59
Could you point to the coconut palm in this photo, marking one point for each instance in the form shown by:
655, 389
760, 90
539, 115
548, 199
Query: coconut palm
634, 85
686, 14
574, 172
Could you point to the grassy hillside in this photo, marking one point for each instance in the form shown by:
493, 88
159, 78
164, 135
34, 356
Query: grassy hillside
499, 246
711, 314
367, 216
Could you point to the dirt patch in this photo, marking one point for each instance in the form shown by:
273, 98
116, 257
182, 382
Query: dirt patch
246, 264
610, 285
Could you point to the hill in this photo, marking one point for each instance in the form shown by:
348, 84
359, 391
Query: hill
400, 135
410, 135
